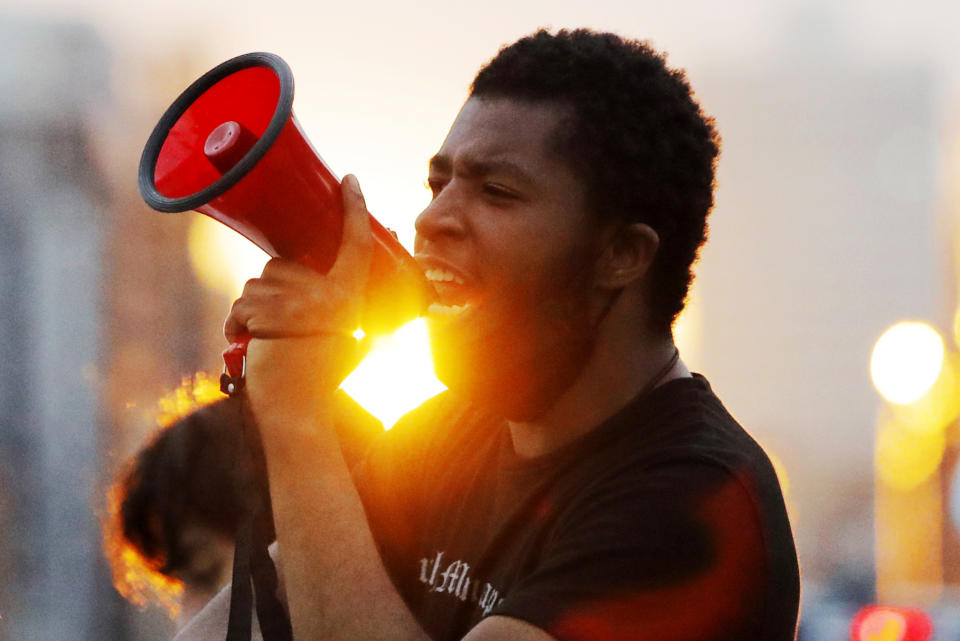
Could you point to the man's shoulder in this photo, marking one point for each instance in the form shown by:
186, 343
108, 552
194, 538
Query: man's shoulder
442, 422
443, 406
431, 418
687, 419
683, 437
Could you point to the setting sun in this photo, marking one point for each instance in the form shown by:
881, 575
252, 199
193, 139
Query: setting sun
396, 375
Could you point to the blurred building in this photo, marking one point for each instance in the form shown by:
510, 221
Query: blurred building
98, 302
826, 232
52, 210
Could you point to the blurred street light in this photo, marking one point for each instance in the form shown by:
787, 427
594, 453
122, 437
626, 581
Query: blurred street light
906, 361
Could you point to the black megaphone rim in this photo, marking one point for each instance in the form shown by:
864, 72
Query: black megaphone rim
151, 152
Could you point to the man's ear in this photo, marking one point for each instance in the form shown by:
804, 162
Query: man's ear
628, 256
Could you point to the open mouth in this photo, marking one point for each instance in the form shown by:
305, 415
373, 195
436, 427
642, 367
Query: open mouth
453, 296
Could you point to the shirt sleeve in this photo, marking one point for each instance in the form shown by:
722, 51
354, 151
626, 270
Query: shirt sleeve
676, 553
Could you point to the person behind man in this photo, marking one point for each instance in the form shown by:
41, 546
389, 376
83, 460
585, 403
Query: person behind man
577, 482
176, 507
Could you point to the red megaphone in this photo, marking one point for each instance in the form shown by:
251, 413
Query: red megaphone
230, 147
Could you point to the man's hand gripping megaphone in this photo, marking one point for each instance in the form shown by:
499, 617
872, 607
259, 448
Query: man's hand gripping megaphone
303, 322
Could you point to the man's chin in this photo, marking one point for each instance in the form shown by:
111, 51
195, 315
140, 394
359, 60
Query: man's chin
470, 366
506, 380
504, 396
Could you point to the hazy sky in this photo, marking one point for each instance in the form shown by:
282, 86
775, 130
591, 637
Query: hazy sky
379, 82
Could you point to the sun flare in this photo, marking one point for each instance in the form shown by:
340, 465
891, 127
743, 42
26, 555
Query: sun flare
396, 375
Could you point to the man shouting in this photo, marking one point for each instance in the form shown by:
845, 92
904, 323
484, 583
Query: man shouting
576, 482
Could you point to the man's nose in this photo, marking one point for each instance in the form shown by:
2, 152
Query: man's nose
443, 217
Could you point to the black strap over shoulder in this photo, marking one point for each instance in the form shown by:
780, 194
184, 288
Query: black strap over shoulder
241, 590
255, 582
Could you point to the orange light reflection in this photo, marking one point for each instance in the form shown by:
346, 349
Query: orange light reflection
135, 577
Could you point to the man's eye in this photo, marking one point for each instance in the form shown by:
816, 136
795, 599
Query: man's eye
498, 191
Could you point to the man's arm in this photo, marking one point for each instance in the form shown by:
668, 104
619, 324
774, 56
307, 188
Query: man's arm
497, 628
335, 581
301, 323
210, 623
337, 587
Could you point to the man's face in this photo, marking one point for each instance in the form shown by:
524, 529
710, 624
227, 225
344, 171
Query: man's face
509, 245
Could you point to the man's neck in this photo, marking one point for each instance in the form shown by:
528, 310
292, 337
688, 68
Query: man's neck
619, 367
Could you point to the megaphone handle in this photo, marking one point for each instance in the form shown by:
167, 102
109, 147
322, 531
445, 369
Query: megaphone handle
234, 366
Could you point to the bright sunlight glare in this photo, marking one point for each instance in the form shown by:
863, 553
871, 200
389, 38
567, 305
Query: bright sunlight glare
396, 375
906, 361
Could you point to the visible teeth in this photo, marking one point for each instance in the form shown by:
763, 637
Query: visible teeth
443, 276
446, 311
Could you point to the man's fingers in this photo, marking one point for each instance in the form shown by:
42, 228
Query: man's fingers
236, 323
290, 299
356, 245
284, 270
246, 315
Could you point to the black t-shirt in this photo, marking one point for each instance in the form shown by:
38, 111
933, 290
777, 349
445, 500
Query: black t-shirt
666, 522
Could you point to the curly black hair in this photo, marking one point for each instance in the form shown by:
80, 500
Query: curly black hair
194, 472
645, 149
200, 471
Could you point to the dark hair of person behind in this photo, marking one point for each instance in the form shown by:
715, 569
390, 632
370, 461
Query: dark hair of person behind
193, 482
194, 472
646, 151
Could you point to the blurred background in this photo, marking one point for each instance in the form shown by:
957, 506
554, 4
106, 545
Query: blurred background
823, 313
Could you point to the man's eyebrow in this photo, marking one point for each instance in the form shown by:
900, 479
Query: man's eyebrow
477, 167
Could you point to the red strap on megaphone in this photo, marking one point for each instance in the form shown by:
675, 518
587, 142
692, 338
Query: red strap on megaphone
234, 365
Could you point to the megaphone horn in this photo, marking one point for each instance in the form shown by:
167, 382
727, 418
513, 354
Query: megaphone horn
230, 147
